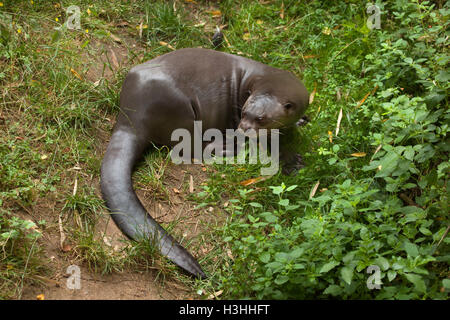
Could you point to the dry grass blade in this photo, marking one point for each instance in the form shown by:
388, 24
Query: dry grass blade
314, 190
366, 96
62, 235
313, 94
191, 184
338, 124
114, 58
248, 182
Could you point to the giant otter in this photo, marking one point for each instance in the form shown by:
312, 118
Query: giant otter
222, 90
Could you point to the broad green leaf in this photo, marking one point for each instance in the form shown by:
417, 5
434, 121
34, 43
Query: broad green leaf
264, 257
391, 275
290, 188
411, 249
347, 274
333, 289
446, 283
269, 216
296, 253
417, 280
280, 279
382, 262
328, 266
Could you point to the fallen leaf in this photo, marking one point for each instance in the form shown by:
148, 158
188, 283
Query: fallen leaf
67, 247
330, 136
229, 254
122, 24
40, 297
115, 38
282, 10
176, 190
326, 31
106, 241
358, 154
254, 180
215, 13
246, 36
310, 56
215, 294
313, 94
165, 44
76, 74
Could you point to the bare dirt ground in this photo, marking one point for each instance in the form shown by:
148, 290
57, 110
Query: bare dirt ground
128, 284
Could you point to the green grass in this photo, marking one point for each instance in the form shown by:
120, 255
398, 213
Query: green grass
268, 241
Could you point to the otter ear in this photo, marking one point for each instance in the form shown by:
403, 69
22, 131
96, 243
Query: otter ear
288, 106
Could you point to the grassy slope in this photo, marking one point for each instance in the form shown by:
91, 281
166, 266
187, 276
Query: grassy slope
52, 121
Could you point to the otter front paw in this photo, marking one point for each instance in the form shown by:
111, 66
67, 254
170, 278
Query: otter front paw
293, 165
303, 121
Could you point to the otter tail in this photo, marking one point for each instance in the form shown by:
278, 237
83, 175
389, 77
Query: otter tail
128, 213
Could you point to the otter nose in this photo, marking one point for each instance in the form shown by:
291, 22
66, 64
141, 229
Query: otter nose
243, 125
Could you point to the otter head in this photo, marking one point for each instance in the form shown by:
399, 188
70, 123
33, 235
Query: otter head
276, 100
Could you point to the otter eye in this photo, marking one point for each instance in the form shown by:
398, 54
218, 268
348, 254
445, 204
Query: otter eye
288, 106
260, 119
